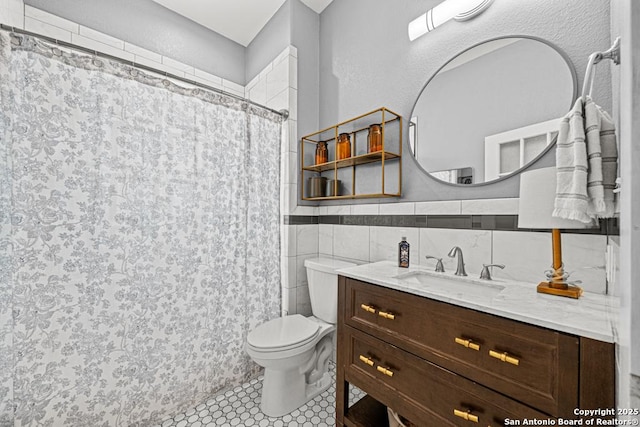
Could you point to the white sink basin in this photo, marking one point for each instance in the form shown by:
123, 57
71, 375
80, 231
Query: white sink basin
452, 285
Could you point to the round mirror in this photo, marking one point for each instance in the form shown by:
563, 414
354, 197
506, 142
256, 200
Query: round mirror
491, 110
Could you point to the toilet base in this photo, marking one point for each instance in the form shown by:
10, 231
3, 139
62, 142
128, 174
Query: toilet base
285, 391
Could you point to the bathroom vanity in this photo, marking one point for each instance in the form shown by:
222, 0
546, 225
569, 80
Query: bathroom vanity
441, 356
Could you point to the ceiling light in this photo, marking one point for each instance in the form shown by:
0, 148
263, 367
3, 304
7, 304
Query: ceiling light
460, 10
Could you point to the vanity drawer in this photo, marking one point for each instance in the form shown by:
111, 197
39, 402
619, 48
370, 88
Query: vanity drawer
426, 394
533, 365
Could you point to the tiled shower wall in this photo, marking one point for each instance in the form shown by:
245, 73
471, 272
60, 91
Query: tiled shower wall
276, 86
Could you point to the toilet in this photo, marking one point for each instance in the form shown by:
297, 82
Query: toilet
295, 350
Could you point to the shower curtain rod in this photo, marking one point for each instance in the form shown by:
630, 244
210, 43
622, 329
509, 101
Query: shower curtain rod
284, 113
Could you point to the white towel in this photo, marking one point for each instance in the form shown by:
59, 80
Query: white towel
572, 200
602, 152
587, 164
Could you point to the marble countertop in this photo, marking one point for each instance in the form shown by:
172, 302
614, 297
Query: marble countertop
592, 315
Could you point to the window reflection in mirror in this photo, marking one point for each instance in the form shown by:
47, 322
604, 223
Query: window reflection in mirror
491, 110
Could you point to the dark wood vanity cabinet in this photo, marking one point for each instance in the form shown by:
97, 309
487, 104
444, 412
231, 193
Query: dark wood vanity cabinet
439, 364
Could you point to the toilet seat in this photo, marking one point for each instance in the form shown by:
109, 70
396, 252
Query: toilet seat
283, 333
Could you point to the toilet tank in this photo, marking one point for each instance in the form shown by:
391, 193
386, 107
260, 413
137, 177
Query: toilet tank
323, 286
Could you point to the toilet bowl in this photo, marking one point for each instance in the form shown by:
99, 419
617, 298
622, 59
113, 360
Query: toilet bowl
295, 350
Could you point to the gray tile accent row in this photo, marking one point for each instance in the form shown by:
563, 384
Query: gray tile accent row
461, 222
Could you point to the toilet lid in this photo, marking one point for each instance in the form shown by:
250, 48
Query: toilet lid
283, 332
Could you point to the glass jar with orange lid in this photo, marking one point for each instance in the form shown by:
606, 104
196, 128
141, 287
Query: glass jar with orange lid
374, 138
322, 153
344, 146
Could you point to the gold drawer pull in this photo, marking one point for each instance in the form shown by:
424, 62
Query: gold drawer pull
468, 344
385, 371
366, 360
504, 357
386, 315
368, 308
466, 415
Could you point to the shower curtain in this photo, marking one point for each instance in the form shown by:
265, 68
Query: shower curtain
139, 239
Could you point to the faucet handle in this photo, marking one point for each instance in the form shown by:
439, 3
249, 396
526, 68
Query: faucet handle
485, 274
439, 265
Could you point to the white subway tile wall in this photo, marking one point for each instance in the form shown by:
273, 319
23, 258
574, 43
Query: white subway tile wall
527, 256
272, 87
13, 12
278, 79
370, 209
490, 207
307, 239
383, 243
351, 242
36, 26
397, 208
109, 49
475, 245
141, 52
325, 239
101, 37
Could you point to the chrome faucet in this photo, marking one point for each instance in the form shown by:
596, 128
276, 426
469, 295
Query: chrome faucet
460, 269
439, 266
485, 274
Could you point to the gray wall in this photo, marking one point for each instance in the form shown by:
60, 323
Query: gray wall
294, 24
270, 41
367, 61
154, 27
305, 36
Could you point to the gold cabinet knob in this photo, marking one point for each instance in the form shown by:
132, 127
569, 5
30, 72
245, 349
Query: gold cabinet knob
367, 308
366, 360
467, 343
386, 315
466, 415
385, 371
504, 356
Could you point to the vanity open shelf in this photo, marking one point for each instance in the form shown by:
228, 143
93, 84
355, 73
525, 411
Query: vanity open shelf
368, 168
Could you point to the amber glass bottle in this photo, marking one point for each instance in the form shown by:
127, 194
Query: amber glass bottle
375, 138
322, 154
344, 146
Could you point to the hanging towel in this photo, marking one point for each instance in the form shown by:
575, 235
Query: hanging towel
602, 152
572, 200
587, 164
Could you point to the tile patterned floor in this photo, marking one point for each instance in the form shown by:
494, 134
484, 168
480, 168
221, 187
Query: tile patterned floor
241, 407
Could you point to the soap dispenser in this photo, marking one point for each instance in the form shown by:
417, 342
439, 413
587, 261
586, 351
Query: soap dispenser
403, 253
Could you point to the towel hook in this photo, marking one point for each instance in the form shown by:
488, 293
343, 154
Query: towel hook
613, 53
588, 77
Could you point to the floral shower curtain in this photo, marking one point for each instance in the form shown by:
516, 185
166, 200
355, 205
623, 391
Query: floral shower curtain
139, 239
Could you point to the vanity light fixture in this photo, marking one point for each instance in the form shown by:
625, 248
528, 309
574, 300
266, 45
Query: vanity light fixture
537, 196
460, 10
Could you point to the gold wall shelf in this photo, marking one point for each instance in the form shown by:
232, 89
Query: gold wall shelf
376, 181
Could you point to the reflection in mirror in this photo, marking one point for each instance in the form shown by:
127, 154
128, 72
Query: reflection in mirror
491, 110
